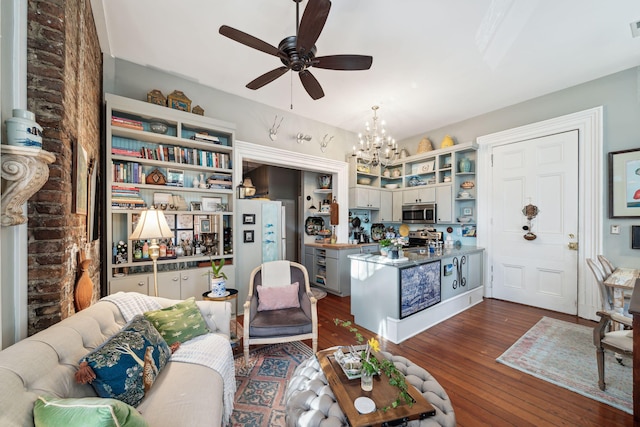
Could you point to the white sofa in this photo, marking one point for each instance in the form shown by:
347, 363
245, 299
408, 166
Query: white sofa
45, 364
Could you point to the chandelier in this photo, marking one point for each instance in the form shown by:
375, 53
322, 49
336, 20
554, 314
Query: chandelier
375, 146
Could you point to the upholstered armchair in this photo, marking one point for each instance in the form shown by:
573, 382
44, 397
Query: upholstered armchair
618, 341
280, 306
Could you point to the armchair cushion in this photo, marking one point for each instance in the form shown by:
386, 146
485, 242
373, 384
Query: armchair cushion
284, 322
275, 298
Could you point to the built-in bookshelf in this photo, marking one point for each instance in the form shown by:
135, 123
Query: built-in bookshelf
180, 163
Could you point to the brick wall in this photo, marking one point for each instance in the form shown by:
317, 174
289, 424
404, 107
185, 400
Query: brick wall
64, 75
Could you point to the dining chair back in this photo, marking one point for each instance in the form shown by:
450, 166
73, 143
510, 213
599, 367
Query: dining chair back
605, 291
607, 266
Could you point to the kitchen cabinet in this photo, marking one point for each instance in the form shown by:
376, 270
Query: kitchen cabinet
364, 198
329, 269
460, 274
444, 204
420, 194
385, 214
397, 206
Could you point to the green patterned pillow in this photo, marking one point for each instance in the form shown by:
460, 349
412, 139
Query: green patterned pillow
180, 322
85, 412
127, 364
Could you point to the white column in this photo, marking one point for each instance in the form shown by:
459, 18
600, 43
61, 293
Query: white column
13, 240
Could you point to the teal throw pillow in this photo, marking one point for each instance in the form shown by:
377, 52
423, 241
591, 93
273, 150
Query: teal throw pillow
127, 364
180, 322
85, 412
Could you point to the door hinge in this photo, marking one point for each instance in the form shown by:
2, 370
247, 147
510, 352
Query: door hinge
491, 160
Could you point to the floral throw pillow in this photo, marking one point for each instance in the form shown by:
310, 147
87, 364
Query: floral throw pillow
127, 364
180, 322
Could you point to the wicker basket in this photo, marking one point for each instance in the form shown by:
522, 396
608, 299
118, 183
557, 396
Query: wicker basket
425, 145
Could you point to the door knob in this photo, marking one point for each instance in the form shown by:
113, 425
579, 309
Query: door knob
573, 245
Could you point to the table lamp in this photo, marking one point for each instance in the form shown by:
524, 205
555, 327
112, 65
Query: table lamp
152, 225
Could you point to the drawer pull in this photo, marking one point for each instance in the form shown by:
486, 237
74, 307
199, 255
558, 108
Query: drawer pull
141, 283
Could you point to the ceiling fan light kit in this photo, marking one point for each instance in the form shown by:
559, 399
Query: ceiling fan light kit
297, 53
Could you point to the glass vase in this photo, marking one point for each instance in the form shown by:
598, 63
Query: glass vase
366, 381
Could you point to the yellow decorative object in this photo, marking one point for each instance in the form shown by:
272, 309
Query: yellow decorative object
425, 145
447, 141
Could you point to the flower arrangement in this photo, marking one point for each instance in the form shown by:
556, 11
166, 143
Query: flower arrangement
371, 365
397, 242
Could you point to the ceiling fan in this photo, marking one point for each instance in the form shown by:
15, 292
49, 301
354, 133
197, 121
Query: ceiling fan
297, 53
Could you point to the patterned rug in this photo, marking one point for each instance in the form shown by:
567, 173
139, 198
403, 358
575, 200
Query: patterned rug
260, 385
563, 354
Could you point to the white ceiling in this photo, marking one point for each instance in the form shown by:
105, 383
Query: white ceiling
434, 62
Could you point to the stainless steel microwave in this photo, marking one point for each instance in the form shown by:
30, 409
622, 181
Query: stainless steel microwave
419, 214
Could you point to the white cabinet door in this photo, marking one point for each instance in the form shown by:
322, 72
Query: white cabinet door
418, 195
193, 283
475, 270
397, 206
444, 204
134, 283
168, 284
366, 198
385, 214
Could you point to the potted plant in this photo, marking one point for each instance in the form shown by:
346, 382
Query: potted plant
217, 279
384, 246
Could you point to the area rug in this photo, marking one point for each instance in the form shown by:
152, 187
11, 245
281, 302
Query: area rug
260, 385
318, 293
563, 354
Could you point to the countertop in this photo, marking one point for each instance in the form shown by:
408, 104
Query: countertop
339, 246
414, 258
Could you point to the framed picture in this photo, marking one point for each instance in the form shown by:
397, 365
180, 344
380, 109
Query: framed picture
171, 220
248, 236
624, 184
205, 226
175, 177
196, 206
185, 235
80, 179
185, 221
467, 211
211, 203
248, 218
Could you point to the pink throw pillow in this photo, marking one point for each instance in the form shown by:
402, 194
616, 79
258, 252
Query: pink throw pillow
275, 298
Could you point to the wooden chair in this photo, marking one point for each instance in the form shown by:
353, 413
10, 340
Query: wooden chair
272, 326
618, 341
607, 267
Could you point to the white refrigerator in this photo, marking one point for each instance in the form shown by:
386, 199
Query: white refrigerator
260, 238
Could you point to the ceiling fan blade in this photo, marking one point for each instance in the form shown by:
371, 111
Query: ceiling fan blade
311, 84
343, 62
267, 78
311, 25
248, 40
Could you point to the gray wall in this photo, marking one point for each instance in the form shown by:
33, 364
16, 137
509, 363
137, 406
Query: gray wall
618, 93
253, 120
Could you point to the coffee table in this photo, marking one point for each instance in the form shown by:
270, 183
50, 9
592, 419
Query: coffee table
383, 394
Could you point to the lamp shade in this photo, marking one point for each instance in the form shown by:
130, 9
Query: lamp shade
151, 225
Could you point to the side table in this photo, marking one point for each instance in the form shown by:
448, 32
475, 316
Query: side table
232, 294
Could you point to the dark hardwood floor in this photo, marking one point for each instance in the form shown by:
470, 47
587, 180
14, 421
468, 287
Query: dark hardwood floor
461, 354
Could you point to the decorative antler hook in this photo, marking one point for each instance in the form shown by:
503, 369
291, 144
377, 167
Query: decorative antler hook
325, 142
273, 132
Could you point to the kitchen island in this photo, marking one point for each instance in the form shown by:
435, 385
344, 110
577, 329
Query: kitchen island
398, 299
328, 264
